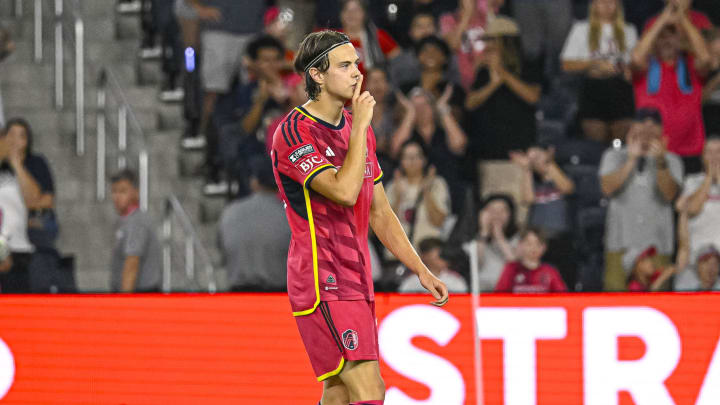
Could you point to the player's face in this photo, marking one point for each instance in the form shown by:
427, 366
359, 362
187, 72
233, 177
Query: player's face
532, 248
708, 271
343, 73
124, 195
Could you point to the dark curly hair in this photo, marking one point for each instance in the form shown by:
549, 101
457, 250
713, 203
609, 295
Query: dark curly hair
313, 45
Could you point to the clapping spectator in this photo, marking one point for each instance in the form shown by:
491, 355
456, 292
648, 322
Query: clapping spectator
503, 97
433, 126
600, 48
667, 78
641, 180
383, 120
644, 275
495, 241
374, 45
418, 196
702, 272
136, 263
254, 235
545, 188
711, 91
7, 46
431, 253
529, 274
463, 32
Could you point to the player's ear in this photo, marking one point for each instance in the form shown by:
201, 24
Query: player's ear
317, 76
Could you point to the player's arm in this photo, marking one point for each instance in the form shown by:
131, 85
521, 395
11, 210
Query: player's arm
343, 186
388, 229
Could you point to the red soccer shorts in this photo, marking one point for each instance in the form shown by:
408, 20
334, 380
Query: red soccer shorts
339, 331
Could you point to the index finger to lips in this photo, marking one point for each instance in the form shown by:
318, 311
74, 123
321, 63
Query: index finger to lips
358, 86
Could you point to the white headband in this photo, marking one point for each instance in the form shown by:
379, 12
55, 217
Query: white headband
317, 59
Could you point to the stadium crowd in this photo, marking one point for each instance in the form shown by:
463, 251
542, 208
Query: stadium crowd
543, 146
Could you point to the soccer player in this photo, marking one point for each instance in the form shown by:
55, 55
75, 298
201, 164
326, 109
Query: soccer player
329, 178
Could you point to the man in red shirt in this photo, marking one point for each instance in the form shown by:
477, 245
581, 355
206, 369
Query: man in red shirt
667, 78
329, 179
529, 274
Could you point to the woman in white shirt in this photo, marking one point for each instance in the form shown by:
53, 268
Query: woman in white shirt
599, 48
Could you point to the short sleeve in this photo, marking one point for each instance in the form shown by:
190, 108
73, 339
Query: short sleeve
692, 184
387, 43
676, 168
610, 162
138, 235
576, 44
295, 152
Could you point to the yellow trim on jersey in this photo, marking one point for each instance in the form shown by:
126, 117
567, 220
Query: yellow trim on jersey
334, 372
378, 177
313, 172
301, 112
311, 222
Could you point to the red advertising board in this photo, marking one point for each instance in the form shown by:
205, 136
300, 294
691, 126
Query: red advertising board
652, 349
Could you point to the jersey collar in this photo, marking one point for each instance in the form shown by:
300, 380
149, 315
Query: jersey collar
337, 127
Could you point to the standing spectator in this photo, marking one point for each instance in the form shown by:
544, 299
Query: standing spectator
433, 126
600, 48
383, 120
463, 32
495, 240
254, 236
136, 264
529, 274
374, 46
7, 46
503, 98
431, 253
228, 26
418, 196
545, 25
641, 181
189, 23
643, 273
711, 91
670, 80
167, 26
544, 189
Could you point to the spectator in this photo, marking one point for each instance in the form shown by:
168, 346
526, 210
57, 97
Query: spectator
544, 189
697, 18
495, 241
545, 25
405, 68
433, 126
137, 257
166, 24
711, 91
702, 272
374, 46
600, 48
431, 253
383, 120
463, 32
296, 97
641, 181
418, 196
644, 274
243, 116
701, 193
7, 46
189, 23
254, 235
529, 274
228, 26
434, 55
670, 80
503, 98
404, 22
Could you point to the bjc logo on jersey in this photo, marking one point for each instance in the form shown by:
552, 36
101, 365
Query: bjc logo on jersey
307, 164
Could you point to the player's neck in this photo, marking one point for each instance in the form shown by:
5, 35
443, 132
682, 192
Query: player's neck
326, 108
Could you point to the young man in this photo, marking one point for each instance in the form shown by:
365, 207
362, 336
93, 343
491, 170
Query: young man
327, 172
137, 256
529, 274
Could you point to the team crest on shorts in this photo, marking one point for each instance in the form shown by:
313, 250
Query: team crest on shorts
350, 339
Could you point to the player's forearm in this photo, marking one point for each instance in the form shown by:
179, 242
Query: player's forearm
350, 176
388, 229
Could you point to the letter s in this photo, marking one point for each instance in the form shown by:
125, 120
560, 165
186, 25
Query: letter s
442, 377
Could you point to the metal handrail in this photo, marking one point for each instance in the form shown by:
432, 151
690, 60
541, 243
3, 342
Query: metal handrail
77, 42
109, 85
192, 243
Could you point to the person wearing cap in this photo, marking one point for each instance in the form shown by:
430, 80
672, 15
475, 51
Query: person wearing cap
503, 97
670, 79
643, 273
702, 272
599, 49
641, 180
254, 236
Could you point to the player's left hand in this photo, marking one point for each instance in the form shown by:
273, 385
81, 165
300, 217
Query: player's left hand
436, 287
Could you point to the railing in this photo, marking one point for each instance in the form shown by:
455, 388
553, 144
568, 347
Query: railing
193, 245
76, 40
116, 106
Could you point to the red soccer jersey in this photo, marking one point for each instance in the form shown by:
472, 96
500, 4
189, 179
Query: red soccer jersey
516, 278
328, 258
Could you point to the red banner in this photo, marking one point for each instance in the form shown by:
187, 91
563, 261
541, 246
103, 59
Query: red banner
652, 349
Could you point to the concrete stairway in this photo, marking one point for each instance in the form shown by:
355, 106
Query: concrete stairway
27, 88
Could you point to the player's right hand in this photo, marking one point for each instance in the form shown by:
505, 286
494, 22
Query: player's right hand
436, 287
362, 105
